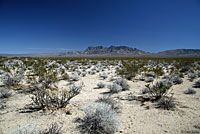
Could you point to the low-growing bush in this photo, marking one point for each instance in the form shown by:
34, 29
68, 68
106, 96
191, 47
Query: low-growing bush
53, 129
175, 79
149, 79
114, 88
190, 91
108, 100
166, 103
74, 77
14, 79
99, 118
5, 93
191, 76
52, 100
159, 89
103, 76
100, 85
123, 83
197, 84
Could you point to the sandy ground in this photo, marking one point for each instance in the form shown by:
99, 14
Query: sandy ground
134, 117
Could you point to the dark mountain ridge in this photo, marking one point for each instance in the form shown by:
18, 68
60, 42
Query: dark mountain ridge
114, 51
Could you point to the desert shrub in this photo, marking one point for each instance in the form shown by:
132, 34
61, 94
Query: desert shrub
99, 118
197, 84
190, 91
149, 79
47, 99
74, 77
123, 83
14, 79
129, 70
150, 74
114, 88
53, 129
158, 71
175, 79
108, 100
112, 78
2, 106
166, 103
144, 91
100, 85
103, 76
184, 69
83, 74
159, 89
191, 76
5, 93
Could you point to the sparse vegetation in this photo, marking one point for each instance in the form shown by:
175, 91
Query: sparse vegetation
99, 118
190, 91
5, 93
52, 100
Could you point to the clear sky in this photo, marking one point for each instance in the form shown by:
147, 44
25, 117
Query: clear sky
66, 25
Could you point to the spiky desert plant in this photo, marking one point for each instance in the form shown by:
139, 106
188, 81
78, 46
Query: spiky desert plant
52, 100
190, 91
99, 118
159, 89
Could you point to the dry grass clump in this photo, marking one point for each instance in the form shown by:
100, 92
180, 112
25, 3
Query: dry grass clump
99, 118
166, 103
108, 100
53, 129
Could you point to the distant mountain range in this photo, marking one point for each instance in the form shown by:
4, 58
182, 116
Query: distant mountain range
114, 51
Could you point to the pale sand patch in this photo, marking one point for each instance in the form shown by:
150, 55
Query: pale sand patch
135, 118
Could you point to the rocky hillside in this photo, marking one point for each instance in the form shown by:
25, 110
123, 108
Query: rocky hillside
115, 51
180, 53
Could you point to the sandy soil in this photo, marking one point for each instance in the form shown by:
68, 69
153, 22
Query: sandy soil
135, 118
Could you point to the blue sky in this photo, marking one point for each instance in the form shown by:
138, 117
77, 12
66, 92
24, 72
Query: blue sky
28, 26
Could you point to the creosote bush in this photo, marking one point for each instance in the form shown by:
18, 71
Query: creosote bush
99, 118
52, 100
159, 89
